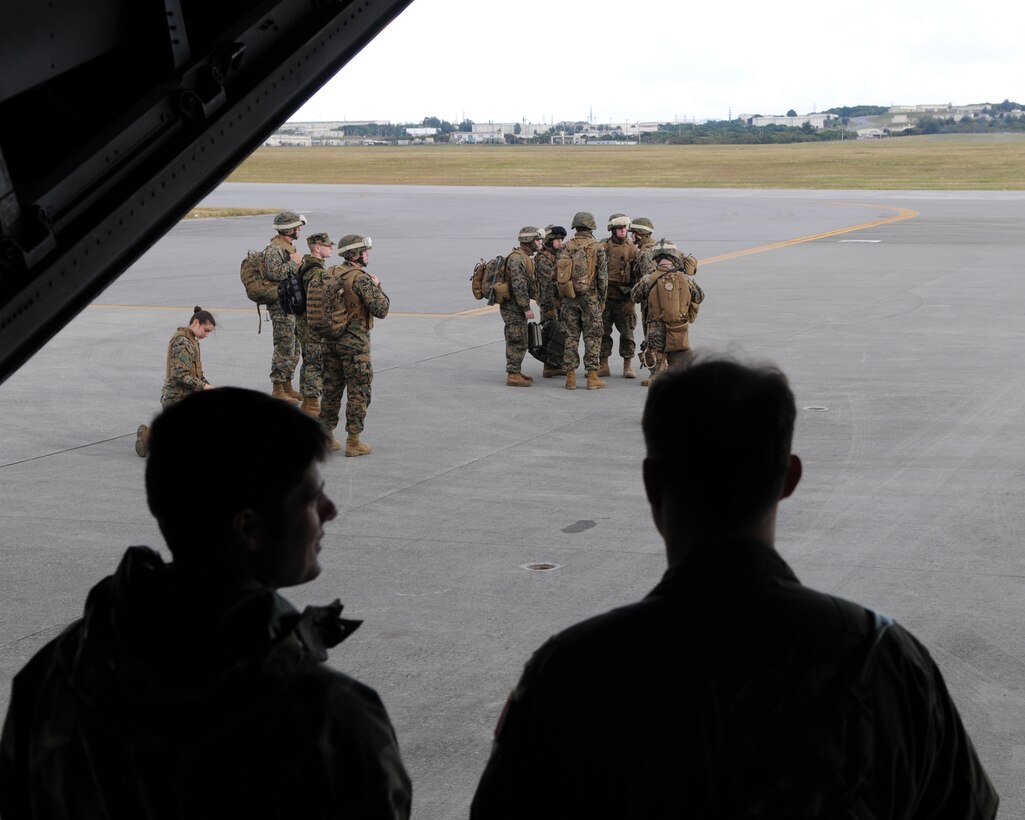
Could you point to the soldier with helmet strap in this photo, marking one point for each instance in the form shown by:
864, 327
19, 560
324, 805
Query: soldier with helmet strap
548, 300
619, 310
279, 258
311, 374
582, 277
672, 297
352, 298
642, 230
515, 309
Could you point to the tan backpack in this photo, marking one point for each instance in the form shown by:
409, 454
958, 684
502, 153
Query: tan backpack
258, 287
326, 309
576, 267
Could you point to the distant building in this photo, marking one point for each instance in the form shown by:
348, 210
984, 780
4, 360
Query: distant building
816, 121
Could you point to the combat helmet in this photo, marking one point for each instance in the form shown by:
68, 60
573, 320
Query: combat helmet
618, 221
353, 242
642, 225
585, 220
286, 220
665, 247
528, 234
553, 232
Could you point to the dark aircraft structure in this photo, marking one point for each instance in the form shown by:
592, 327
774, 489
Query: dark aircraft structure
117, 116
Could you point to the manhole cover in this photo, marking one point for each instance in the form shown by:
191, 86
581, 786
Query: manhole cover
816, 407
541, 566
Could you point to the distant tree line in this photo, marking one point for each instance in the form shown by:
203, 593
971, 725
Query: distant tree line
738, 132
998, 120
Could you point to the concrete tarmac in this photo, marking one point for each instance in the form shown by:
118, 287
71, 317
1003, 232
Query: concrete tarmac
897, 315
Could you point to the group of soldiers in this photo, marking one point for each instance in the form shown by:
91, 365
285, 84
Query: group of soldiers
584, 287
332, 336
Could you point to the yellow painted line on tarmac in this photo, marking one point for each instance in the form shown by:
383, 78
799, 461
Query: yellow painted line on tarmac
899, 215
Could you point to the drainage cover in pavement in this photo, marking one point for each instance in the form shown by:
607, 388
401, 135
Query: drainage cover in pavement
540, 567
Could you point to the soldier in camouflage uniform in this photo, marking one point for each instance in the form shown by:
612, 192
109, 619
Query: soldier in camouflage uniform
347, 367
668, 336
641, 229
619, 310
311, 376
280, 257
581, 313
548, 300
515, 308
184, 372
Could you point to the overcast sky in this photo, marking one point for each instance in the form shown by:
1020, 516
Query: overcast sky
535, 60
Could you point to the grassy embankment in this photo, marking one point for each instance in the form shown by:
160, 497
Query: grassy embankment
215, 213
907, 163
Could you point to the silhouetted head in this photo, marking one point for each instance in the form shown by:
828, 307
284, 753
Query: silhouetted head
233, 481
718, 436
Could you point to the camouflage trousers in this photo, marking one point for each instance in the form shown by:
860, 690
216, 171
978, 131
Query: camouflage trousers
174, 394
581, 315
345, 369
655, 358
619, 313
515, 336
286, 346
311, 374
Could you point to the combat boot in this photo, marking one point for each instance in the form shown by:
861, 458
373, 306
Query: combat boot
518, 380
142, 441
628, 369
291, 392
593, 382
353, 447
571, 380
311, 405
278, 392
603, 367
548, 372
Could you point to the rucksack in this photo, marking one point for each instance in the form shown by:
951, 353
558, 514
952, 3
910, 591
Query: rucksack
292, 293
254, 277
488, 280
325, 291
576, 267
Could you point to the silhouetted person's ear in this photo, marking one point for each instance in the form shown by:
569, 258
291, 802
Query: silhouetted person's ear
245, 526
653, 489
794, 472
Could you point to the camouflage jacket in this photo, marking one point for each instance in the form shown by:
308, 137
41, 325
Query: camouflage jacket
184, 371
277, 260
179, 696
519, 271
311, 266
544, 274
643, 263
366, 301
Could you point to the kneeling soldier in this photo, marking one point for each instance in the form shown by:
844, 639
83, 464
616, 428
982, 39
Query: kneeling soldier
672, 298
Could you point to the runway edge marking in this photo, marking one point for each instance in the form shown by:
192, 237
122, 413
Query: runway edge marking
902, 214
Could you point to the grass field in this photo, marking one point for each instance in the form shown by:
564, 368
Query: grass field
945, 162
